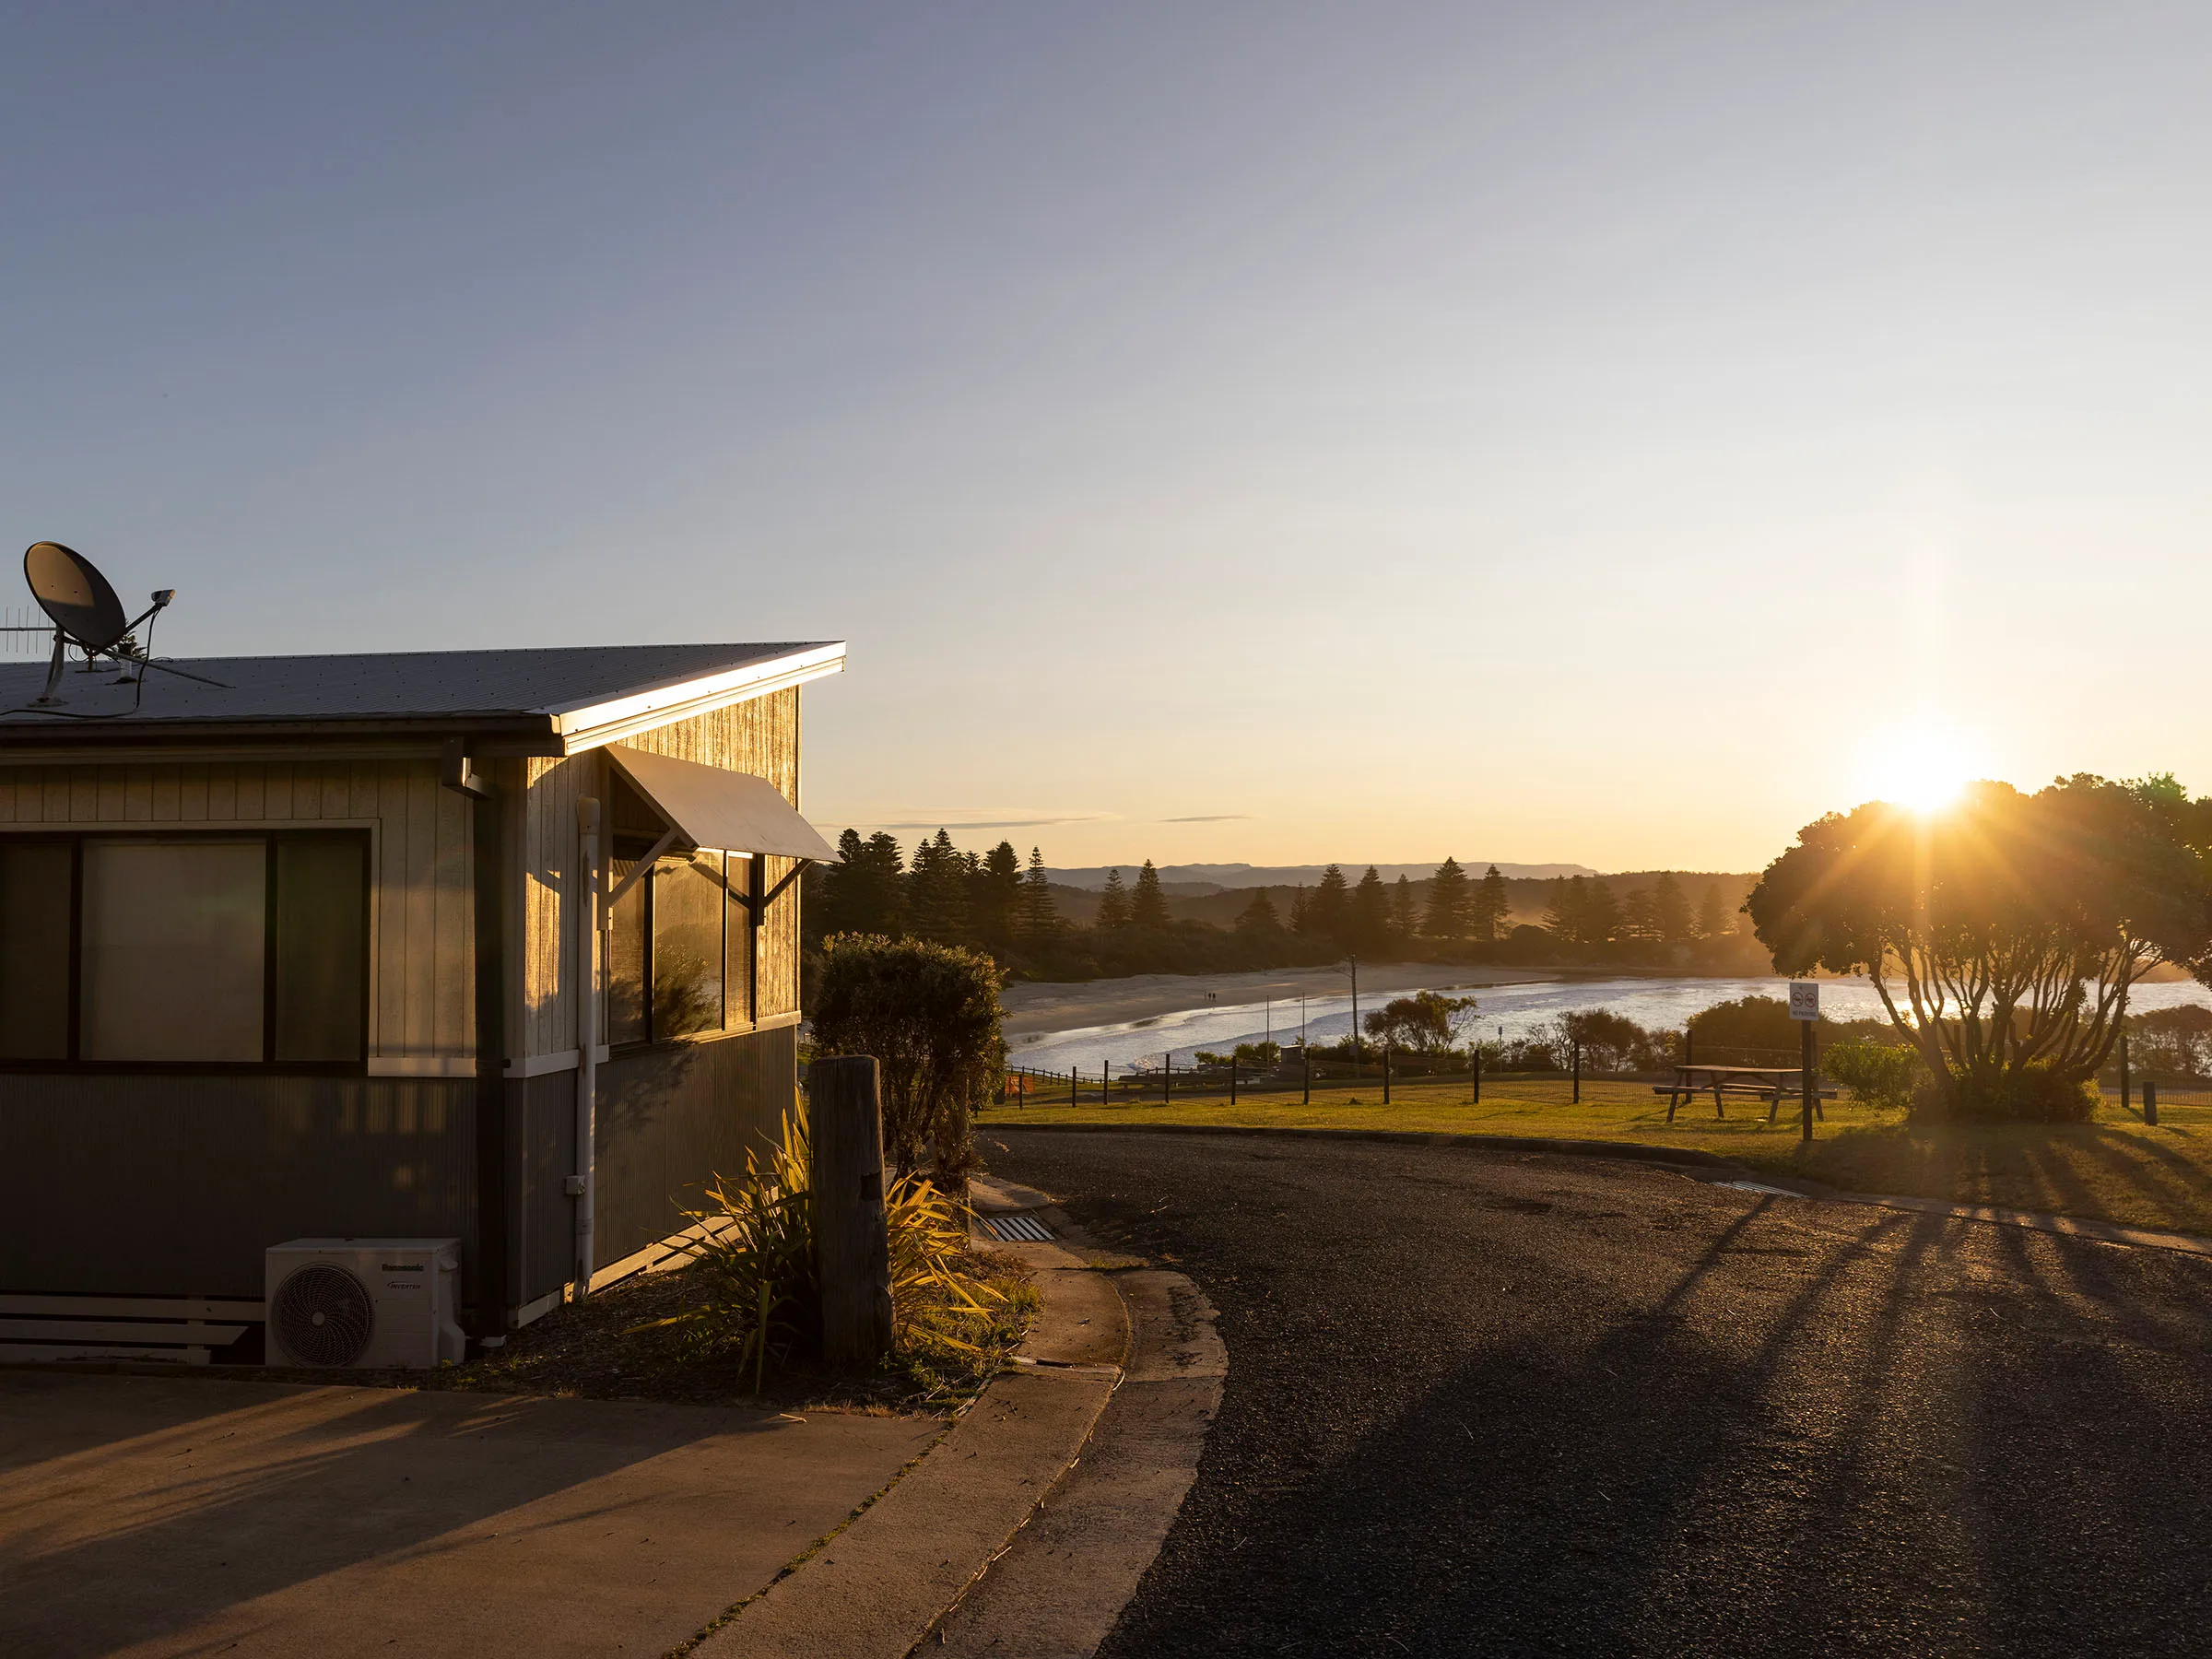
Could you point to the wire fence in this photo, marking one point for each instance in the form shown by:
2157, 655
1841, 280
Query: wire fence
2155, 1096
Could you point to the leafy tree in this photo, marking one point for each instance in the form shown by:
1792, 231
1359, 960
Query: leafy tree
1712, 914
1427, 1022
994, 898
1039, 918
929, 1015
2015, 924
1148, 905
1370, 914
1669, 911
1113, 905
1450, 902
1490, 907
937, 891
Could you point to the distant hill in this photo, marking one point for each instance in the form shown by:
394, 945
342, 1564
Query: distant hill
1525, 895
1197, 880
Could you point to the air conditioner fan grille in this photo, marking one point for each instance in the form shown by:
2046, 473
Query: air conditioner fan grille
322, 1315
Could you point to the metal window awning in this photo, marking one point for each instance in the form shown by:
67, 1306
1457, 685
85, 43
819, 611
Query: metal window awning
707, 806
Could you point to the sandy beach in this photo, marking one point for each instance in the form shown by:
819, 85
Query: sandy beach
1059, 1008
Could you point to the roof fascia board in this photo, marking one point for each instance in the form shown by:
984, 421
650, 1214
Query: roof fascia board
229, 742
600, 723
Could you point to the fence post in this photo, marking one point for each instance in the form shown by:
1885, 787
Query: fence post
851, 1247
1232, 1079
1577, 1054
1074, 1098
1386, 1071
2125, 1102
1106, 1083
1166, 1076
1475, 1048
2150, 1101
1305, 1065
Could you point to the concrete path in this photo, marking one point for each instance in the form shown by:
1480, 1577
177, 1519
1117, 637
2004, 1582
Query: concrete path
159, 1516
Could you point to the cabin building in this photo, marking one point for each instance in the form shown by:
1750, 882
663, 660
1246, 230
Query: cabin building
495, 946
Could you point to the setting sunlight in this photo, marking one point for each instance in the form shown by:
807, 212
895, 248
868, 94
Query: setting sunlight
1923, 767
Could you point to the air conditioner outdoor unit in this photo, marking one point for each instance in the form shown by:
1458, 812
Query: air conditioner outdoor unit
363, 1303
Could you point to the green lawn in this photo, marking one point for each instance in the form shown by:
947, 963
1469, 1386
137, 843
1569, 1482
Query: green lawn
2116, 1168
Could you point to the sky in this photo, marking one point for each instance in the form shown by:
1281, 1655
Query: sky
1275, 433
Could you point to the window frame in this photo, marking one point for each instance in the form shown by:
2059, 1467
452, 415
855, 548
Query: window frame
736, 1021
268, 1064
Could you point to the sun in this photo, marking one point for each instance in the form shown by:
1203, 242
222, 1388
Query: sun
1923, 767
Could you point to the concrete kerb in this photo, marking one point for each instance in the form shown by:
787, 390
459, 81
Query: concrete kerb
1700, 1166
876, 1587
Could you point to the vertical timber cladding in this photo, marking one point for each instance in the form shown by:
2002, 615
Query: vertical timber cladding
671, 1116
761, 737
422, 980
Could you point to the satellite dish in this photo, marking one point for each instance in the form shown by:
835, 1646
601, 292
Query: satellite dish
75, 595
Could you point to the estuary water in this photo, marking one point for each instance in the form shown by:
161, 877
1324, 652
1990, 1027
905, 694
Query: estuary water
1501, 1010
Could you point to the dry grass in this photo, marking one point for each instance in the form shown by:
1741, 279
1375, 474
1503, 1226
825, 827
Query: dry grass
2115, 1168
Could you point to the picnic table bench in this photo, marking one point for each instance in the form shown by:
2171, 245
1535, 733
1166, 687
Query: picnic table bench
1770, 1082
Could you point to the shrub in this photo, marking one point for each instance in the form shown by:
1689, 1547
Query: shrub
1881, 1074
760, 1291
1423, 1023
929, 1015
2034, 1093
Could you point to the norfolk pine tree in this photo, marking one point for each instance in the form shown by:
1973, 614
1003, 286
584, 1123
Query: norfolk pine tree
1039, 919
1491, 908
1113, 905
1449, 902
1148, 905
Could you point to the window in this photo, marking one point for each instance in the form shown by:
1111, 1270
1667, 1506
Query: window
683, 930
204, 949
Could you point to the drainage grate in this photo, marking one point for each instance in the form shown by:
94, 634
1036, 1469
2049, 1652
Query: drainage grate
1018, 1229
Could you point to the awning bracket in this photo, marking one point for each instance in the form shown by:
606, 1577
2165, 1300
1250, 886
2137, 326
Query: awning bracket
638, 869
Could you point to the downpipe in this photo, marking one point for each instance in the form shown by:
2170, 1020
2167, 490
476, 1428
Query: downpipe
588, 888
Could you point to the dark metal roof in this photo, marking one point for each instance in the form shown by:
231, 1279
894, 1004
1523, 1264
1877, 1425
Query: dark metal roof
401, 688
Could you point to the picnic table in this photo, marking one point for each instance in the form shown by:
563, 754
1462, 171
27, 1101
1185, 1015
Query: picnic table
1771, 1082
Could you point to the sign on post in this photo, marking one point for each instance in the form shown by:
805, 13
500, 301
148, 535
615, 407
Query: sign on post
1805, 999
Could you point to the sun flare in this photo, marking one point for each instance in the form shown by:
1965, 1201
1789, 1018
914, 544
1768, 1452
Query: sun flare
1924, 769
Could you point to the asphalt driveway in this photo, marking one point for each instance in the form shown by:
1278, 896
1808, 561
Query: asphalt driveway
1484, 1403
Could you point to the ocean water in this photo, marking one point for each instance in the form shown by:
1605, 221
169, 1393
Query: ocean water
1508, 1011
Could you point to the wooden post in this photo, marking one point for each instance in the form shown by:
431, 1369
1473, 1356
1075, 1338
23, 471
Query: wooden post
2125, 1102
852, 1246
1386, 1071
1475, 1050
1166, 1076
1074, 1085
1577, 1052
2150, 1101
1232, 1079
1806, 1078
1106, 1083
1305, 1065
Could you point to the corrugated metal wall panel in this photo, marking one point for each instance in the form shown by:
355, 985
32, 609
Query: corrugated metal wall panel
672, 1116
175, 1185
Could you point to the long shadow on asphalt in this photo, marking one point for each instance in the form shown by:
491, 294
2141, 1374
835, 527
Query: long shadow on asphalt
1658, 1419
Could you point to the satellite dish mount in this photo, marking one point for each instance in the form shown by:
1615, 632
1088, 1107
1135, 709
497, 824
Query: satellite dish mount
85, 614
